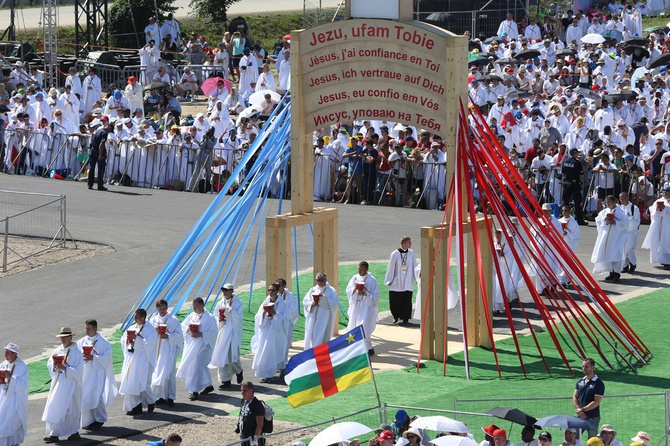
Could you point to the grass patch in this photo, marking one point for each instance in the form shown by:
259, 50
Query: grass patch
431, 390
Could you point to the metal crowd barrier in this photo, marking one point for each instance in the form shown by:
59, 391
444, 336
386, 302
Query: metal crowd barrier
109, 74
44, 153
165, 166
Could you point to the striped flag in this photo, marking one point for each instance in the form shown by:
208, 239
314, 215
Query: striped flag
328, 368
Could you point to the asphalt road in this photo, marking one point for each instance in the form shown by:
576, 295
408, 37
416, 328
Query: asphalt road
29, 18
144, 227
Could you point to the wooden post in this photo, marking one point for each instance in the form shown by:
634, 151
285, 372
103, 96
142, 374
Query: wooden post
302, 172
427, 295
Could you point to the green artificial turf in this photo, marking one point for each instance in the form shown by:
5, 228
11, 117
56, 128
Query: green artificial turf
430, 389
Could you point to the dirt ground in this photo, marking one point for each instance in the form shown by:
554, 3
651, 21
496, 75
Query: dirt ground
213, 430
23, 247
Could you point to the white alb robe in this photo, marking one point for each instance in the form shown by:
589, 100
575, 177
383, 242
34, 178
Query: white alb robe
632, 213
293, 312
197, 351
164, 377
270, 337
657, 240
98, 383
62, 412
608, 250
14, 404
320, 318
363, 305
228, 340
138, 366
542, 280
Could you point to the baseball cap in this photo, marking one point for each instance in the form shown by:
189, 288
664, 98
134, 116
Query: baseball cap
386, 435
544, 435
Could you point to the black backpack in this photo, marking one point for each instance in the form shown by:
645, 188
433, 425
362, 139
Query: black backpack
269, 416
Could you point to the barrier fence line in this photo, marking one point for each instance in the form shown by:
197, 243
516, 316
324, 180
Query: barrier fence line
628, 413
45, 221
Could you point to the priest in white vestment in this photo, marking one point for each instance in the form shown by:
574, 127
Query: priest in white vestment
98, 383
657, 240
13, 397
571, 235
139, 344
199, 329
543, 279
509, 272
400, 280
62, 412
170, 344
268, 344
363, 293
320, 303
632, 213
229, 313
293, 312
608, 251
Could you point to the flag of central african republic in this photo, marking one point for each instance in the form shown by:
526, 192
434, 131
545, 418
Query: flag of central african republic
328, 368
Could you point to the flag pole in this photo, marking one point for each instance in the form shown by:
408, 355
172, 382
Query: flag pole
379, 401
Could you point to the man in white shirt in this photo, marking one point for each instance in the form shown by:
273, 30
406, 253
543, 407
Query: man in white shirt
188, 83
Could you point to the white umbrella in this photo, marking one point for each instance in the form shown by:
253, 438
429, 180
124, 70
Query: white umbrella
454, 440
258, 97
593, 38
247, 112
339, 432
440, 423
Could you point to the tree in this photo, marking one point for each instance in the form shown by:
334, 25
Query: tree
124, 21
213, 9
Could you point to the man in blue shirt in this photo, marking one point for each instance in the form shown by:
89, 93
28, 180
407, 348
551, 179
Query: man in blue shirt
589, 393
355, 156
171, 440
172, 105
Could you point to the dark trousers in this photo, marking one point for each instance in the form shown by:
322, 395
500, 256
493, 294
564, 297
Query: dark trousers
102, 164
542, 190
261, 441
400, 303
369, 184
574, 193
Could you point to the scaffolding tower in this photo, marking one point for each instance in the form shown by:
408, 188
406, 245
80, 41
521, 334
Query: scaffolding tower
90, 31
50, 29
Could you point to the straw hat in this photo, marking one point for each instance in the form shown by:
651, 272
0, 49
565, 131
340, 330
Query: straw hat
65, 332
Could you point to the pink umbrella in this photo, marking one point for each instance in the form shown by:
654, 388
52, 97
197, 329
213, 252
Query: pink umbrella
211, 84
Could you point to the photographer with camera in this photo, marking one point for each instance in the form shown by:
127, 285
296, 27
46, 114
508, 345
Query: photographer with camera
398, 161
203, 160
541, 166
354, 154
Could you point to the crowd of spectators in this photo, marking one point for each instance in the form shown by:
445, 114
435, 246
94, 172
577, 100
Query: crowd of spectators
566, 82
